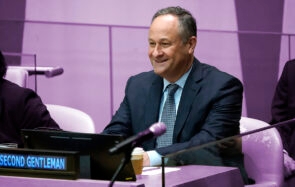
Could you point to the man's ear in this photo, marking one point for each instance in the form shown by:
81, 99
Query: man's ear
192, 42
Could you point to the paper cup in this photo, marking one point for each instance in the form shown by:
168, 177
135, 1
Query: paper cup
137, 160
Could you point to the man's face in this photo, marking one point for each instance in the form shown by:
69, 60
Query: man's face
169, 56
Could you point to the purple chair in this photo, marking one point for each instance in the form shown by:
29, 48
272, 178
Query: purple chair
17, 75
71, 119
263, 153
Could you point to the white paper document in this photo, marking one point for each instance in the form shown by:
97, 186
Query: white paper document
157, 170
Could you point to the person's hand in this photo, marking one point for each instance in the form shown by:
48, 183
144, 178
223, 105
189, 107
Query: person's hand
146, 159
231, 146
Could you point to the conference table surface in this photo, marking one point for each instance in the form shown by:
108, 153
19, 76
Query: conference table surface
192, 175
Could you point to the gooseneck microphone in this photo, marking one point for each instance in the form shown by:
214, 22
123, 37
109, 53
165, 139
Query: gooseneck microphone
154, 130
47, 71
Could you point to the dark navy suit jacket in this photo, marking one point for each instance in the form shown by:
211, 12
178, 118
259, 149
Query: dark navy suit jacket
209, 110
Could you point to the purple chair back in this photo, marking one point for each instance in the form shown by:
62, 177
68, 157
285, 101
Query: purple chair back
263, 153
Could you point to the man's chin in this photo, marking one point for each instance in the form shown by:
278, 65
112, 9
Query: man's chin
159, 72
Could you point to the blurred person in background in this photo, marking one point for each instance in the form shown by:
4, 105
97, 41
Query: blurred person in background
282, 109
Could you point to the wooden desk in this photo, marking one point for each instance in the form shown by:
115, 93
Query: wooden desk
200, 176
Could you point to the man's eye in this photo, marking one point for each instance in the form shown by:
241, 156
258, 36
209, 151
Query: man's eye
165, 44
152, 44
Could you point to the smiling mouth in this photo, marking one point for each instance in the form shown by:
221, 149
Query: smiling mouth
160, 61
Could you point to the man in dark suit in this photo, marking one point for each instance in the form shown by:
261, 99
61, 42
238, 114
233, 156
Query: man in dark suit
20, 108
283, 108
208, 101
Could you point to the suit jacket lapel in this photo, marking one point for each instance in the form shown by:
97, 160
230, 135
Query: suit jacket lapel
190, 91
153, 101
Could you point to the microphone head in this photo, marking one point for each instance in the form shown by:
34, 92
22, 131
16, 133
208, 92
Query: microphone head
158, 128
54, 72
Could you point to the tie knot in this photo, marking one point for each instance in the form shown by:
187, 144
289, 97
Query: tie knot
172, 89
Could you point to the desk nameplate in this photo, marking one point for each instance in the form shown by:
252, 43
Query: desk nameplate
39, 163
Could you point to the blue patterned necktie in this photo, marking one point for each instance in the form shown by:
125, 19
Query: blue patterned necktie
168, 117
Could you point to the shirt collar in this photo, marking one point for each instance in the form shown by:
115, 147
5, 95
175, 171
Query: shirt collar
180, 82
